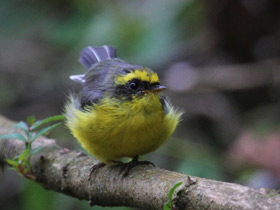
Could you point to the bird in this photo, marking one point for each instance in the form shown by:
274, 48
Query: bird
119, 110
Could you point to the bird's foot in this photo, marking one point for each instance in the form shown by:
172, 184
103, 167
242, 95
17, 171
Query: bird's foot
94, 168
126, 167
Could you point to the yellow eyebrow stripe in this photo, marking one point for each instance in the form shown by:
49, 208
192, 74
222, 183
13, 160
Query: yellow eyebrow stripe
142, 75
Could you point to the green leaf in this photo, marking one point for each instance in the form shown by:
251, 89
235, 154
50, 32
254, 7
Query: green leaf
168, 204
23, 156
13, 136
47, 120
44, 130
34, 151
170, 194
22, 125
31, 120
12, 163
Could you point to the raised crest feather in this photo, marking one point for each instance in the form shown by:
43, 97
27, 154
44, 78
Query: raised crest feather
79, 78
91, 55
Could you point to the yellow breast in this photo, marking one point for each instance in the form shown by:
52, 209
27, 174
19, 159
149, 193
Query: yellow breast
113, 129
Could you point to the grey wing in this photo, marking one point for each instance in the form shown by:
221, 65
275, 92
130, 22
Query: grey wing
95, 85
88, 98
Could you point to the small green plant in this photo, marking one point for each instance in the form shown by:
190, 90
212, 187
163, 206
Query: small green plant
21, 163
168, 204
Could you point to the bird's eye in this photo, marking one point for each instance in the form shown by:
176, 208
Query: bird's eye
133, 85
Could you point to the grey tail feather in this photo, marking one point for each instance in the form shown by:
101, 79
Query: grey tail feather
91, 55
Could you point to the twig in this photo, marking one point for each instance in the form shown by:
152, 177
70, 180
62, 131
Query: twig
145, 187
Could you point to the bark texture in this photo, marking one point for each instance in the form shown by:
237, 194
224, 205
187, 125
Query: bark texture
146, 187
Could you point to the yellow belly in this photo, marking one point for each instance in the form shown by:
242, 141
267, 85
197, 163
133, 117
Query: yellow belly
112, 129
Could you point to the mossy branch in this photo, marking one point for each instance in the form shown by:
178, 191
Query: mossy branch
146, 187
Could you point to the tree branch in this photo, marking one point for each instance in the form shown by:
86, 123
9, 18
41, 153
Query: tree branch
146, 187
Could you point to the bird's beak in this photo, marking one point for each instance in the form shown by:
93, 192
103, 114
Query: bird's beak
158, 89
155, 90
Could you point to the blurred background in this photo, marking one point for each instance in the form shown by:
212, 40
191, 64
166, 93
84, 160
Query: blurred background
220, 60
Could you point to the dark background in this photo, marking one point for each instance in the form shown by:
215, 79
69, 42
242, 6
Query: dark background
218, 58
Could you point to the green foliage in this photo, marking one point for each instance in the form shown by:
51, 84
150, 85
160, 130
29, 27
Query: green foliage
21, 163
168, 204
35, 196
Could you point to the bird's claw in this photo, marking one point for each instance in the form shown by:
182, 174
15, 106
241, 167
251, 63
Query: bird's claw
126, 167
